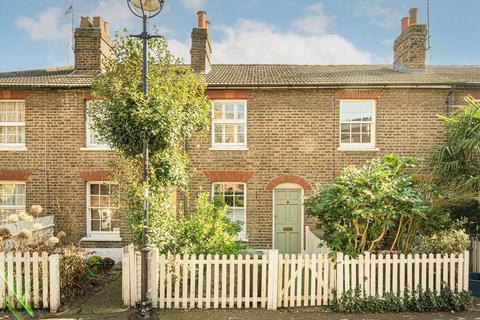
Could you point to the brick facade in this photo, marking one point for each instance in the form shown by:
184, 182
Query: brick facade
55, 162
295, 132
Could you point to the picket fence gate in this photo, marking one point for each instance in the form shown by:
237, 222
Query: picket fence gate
277, 280
29, 279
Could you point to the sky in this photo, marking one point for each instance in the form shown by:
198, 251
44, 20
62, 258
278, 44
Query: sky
37, 33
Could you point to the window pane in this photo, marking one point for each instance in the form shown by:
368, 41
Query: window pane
366, 138
229, 133
355, 138
240, 133
94, 189
104, 189
239, 202
217, 107
240, 111
355, 128
218, 133
345, 127
228, 189
94, 214
228, 200
229, 110
345, 138
344, 111
95, 225
239, 188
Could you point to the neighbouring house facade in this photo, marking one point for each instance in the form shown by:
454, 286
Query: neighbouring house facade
277, 131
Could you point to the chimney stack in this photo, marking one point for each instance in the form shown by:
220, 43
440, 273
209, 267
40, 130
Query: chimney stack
410, 47
92, 44
201, 50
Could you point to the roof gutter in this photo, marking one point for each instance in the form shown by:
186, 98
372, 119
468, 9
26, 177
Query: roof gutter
385, 86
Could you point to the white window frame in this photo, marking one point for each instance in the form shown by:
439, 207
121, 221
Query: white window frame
89, 131
15, 207
98, 235
14, 146
244, 236
358, 146
229, 146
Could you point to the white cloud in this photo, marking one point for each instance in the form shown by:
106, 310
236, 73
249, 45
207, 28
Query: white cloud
256, 42
379, 12
307, 42
315, 22
47, 25
193, 4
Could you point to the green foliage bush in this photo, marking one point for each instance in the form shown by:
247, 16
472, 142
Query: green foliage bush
444, 242
418, 301
206, 230
364, 205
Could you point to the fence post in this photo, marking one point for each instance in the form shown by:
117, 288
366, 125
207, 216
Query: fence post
466, 270
125, 278
272, 279
54, 283
339, 282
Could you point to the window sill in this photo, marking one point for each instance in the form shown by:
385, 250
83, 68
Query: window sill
239, 148
358, 149
96, 149
5, 148
97, 238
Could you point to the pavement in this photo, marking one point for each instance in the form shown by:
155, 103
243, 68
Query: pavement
106, 303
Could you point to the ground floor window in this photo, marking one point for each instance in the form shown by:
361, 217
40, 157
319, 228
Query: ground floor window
234, 195
12, 199
102, 209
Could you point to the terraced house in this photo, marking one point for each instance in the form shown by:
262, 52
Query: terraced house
276, 132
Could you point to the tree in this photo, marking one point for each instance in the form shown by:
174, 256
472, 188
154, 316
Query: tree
458, 161
176, 109
363, 205
456, 165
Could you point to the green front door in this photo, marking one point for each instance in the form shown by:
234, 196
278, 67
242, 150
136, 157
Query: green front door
288, 220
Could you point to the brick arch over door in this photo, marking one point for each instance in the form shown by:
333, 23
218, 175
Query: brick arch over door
288, 179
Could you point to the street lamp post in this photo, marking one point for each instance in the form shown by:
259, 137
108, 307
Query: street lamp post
145, 9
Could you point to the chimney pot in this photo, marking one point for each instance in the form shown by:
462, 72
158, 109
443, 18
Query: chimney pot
202, 19
413, 15
85, 22
404, 24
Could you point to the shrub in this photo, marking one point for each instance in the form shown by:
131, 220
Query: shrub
444, 242
95, 263
206, 230
418, 301
363, 205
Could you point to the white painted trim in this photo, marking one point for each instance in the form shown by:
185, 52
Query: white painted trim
99, 148
357, 149
245, 239
13, 148
97, 235
289, 185
358, 146
236, 148
229, 146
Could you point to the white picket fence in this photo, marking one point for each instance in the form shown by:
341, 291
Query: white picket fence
31, 278
475, 255
277, 280
381, 273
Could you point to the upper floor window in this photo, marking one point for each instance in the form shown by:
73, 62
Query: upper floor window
12, 199
234, 195
12, 123
102, 209
93, 138
357, 124
229, 124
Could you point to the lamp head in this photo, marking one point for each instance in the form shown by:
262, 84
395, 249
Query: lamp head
148, 8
